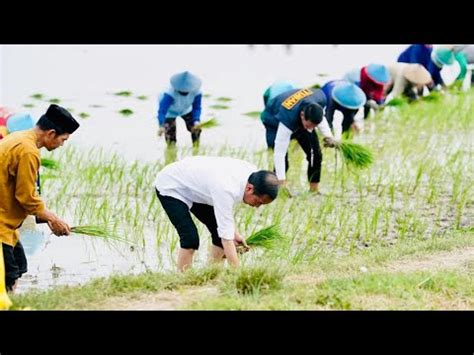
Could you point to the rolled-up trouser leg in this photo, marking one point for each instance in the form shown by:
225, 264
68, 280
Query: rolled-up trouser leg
15, 262
195, 133
180, 217
206, 215
170, 130
310, 144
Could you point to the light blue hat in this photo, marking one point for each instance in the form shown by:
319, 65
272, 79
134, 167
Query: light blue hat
280, 87
185, 82
349, 95
442, 56
353, 76
378, 73
19, 122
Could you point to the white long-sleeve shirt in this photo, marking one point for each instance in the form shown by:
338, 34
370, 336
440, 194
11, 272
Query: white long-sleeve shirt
338, 117
282, 141
215, 181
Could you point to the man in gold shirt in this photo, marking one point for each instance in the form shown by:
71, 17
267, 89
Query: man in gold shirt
19, 166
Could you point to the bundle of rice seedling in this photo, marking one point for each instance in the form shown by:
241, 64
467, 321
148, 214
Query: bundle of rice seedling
49, 163
434, 96
126, 112
355, 154
253, 114
397, 101
208, 124
97, 231
265, 237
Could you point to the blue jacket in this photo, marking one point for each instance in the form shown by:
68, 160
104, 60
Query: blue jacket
332, 105
286, 107
172, 104
435, 73
416, 53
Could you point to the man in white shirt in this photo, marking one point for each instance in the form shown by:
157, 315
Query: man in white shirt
209, 187
294, 114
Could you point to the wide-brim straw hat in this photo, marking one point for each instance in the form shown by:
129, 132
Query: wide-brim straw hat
417, 74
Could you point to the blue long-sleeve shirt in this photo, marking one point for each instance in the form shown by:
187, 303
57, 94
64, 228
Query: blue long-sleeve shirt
169, 108
416, 53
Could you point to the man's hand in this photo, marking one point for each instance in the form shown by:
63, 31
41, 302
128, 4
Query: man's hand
161, 131
240, 243
372, 104
357, 127
284, 188
196, 128
59, 227
330, 142
230, 252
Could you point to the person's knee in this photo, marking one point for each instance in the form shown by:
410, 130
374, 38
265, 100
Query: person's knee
189, 242
217, 241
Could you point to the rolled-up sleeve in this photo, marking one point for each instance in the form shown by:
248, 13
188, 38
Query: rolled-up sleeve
224, 212
25, 189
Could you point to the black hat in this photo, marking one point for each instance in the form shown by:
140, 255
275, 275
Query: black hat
61, 118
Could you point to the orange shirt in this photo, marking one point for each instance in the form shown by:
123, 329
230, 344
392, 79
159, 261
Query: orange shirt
19, 166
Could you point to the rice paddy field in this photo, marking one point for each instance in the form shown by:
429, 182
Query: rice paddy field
398, 234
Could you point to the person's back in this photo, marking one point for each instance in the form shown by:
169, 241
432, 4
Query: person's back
196, 179
285, 107
276, 89
417, 53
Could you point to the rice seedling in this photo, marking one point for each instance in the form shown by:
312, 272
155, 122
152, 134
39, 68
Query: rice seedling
397, 101
253, 114
142, 97
224, 99
54, 101
433, 96
123, 93
126, 112
84, 115
208, 124
37, 96
266, 237
355, 155
28, 105
219, 107
97, 231
50, 163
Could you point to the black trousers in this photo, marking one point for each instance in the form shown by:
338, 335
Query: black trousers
15, 262
179, 215
170, 129
309, 142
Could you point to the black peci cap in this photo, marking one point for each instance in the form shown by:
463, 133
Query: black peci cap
61, 118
